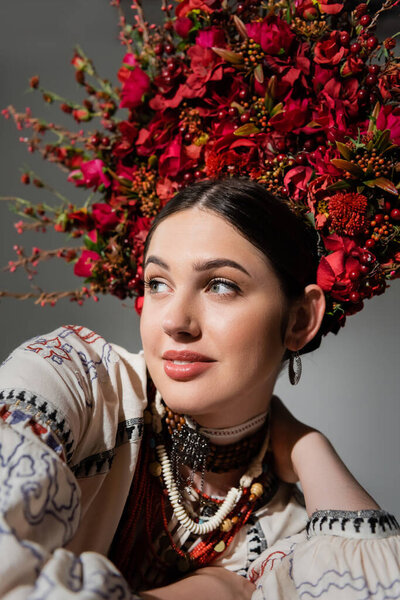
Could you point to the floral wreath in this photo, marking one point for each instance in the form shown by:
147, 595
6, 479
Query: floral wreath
300, 96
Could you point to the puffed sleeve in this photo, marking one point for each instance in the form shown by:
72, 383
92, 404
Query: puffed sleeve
341, 555
43, 415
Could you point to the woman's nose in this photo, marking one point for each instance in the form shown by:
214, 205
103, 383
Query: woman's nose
181, 318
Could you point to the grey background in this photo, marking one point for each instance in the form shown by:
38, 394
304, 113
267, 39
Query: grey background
350, 386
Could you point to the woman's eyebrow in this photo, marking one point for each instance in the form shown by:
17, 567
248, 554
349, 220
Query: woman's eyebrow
201, 266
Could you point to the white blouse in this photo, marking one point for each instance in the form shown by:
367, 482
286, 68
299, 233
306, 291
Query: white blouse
71, 408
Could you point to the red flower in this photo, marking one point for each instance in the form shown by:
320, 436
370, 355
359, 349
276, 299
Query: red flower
296, 181
134, 87
186, 6
348, 213
85, 263
330, 8
128, 62
353, 65
334, 270
292, 118
330, 51
182, 26
81, 218
306, 9
105, 218
273, 34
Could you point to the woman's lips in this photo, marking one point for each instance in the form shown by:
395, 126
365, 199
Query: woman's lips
185, 365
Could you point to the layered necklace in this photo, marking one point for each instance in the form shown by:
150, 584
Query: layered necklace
160, 490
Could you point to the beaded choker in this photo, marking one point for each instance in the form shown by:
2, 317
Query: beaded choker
194, 446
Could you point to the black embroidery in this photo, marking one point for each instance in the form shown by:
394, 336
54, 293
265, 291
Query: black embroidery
362, 523
43, 412
128, 431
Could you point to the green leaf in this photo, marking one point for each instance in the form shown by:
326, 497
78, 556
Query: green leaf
247, 129
228, 55
276, 109
241, 27
382, 140
384, 184
91, 245
259, 73
345, 165
344, 150
338, 185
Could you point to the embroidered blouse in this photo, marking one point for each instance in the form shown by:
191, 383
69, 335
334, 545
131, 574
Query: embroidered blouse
71, 408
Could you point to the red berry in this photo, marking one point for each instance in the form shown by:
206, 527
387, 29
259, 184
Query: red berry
221, 114
395, 214
370, 243
301, 158
243, 94
367, 258
240, 8
344, 38
169, 48
25, 178
198, 174
379, 218
355, 297
354, 275
374, 69
364, 269
232, 112
188, 137
371, 80
388, 206
188, 177
365, 20
280, 157
362, 94
245, 117
372, 42
355, 48
158, 49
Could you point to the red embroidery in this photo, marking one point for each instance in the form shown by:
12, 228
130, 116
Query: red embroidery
271, 558
49, 348
90, 338
37, 428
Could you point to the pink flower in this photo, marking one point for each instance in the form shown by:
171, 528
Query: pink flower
134, 87
90, 174
213, 36
389, 118
85, 263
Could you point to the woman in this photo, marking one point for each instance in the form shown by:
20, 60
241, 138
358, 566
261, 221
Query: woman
171, 472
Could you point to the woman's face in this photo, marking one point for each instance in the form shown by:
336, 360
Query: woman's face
211, 320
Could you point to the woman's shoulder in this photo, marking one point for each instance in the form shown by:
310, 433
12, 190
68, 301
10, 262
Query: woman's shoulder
78, 383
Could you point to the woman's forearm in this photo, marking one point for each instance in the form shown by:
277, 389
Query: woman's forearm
325, 479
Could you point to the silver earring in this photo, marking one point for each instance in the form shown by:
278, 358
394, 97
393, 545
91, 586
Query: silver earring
295, 368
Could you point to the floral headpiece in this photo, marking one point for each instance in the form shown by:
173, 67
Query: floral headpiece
300, 96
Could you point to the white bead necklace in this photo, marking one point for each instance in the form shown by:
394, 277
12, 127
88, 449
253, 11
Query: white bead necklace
232, 498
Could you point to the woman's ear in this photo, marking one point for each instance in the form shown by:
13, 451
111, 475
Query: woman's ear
305, 318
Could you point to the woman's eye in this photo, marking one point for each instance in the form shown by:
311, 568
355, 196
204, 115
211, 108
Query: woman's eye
155, 286
222, 287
